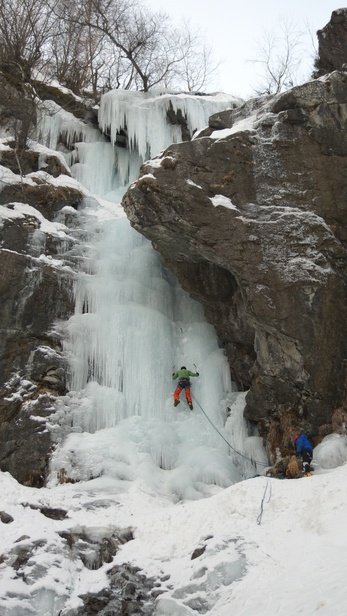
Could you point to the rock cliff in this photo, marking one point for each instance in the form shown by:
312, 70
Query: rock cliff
251, 217
41, 241
332, 41
35, 293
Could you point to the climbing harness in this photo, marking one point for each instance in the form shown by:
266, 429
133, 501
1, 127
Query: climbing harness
268, 486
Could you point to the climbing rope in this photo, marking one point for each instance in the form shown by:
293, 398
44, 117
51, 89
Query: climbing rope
253, 462
268, 486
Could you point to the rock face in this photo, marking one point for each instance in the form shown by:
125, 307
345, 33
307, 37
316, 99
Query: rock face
332, 39
35, 293
130, 593
251, 217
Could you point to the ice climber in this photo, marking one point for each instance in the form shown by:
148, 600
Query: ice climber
183, 383
304, 450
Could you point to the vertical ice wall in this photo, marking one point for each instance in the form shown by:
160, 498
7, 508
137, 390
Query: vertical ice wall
133, 326
141, 119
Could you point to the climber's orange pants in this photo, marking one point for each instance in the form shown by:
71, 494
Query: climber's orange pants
178, 391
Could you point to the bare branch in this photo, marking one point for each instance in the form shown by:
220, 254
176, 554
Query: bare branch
93, 45
279, 57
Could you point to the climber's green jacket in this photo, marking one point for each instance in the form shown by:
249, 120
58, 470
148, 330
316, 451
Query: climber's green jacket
183, 374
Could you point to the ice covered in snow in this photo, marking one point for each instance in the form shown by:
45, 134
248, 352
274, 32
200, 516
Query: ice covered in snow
44, 152
8, 177
221, 200
4, 147
191, 183
332, 451
247, 124
21, 210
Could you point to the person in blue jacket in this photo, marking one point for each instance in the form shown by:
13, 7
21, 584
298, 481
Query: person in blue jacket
304, 450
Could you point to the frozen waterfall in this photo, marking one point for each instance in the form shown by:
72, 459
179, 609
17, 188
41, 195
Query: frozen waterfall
133, 325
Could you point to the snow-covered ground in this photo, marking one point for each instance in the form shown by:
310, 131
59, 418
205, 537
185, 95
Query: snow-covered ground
268, 546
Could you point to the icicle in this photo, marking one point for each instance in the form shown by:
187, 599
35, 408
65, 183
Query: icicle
143, 117
49, 124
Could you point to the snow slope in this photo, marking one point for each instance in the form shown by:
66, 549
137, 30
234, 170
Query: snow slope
268, 546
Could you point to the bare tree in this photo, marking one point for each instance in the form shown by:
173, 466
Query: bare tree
25, 28
98, 44
155, 55
279, 59
141, 39
196, 66
147, 50
18, 114
77, 54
